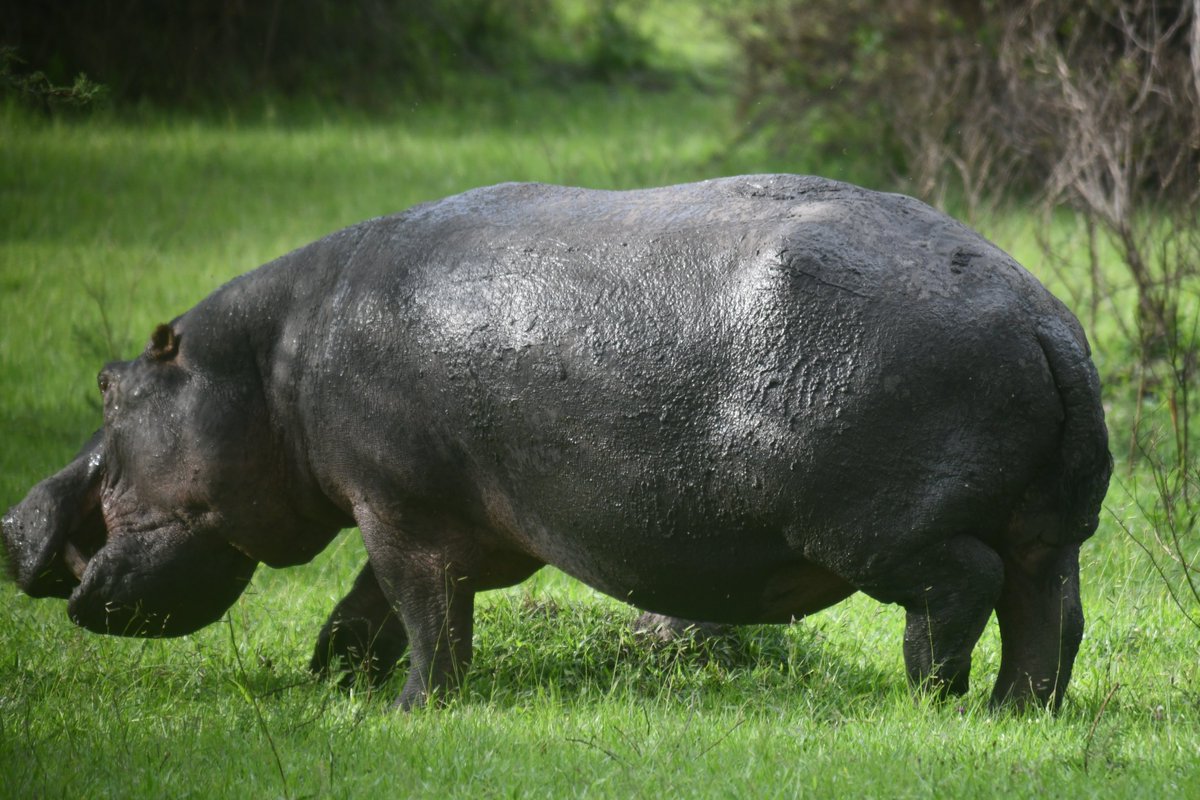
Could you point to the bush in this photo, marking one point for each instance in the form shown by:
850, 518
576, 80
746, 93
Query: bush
982, 97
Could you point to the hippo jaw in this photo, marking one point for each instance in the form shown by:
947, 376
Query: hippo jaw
164, 582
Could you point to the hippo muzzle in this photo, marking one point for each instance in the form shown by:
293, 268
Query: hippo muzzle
50, 535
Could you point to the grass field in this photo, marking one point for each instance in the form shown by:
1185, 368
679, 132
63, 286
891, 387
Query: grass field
109, 227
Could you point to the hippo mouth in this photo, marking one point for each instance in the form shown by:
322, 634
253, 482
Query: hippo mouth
160, 581
86, 537
156, 581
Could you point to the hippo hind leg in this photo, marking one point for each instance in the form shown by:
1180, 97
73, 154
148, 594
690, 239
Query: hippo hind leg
1041, 625
363, 636
952, 591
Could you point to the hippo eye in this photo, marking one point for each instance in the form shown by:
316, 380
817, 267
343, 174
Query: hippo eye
103, 380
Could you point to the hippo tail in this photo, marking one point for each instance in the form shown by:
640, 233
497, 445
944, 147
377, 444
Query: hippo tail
1079, 477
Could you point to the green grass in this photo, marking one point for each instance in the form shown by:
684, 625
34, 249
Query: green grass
110, 226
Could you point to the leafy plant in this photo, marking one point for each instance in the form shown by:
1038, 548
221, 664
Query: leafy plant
37, 89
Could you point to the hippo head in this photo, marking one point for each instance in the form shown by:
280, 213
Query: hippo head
157, 525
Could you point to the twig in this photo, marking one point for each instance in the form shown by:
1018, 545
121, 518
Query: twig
262, 723
1095, 723
723, 737
591, 742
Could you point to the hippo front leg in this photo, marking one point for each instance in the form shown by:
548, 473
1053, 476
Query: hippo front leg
363, 634
427, 579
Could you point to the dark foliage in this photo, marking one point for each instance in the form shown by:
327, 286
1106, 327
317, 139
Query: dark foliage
360, 52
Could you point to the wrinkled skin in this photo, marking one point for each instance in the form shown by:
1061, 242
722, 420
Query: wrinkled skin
738, 401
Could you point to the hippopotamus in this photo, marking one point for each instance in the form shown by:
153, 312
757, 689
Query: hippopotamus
737, 401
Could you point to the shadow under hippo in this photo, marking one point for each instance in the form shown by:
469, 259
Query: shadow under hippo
737, 401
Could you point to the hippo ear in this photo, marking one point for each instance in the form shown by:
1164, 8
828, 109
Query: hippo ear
164, 344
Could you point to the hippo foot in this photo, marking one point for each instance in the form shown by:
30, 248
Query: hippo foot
363, 639
354, 651
668, 629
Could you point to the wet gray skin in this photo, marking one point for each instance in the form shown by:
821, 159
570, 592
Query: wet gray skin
737, 401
